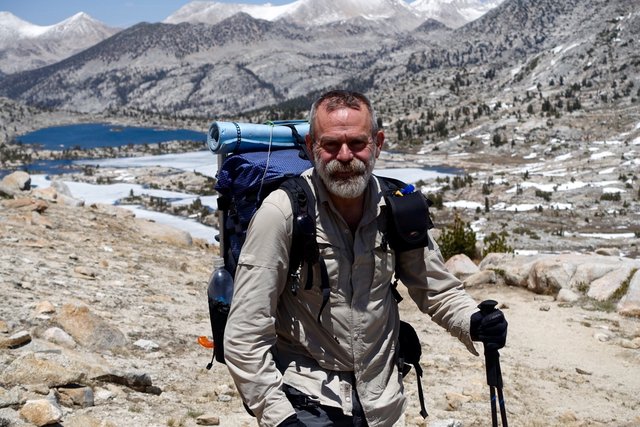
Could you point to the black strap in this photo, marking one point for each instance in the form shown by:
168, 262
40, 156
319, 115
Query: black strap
395, 292
304, 152
410, 351
390, 184
304, 246
423, 408
324, 286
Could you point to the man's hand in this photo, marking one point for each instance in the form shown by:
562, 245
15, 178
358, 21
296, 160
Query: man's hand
489, 326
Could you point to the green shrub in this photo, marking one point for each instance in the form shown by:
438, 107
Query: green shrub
615, 197
544, 194
496, 243
458, 238
436, 200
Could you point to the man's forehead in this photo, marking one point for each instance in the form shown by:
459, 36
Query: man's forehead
343, 116
339, 135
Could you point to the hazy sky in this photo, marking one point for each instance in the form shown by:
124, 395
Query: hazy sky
116, 13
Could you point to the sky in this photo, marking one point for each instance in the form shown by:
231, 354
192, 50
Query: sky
115, 13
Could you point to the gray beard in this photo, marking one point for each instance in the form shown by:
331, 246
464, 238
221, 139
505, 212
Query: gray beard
351, 187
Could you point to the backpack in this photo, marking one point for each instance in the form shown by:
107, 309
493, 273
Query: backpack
247, 173
253, 160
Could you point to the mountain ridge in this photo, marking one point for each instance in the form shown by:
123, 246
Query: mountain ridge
191, 69
24, 45
310, 13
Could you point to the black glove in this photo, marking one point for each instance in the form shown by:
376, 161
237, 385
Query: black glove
291, 421
489, 326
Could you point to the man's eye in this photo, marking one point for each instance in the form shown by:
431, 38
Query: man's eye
357, 145
331, 146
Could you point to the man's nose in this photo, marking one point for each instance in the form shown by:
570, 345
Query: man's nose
344, 154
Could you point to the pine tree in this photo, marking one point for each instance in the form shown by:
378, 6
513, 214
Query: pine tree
459, 238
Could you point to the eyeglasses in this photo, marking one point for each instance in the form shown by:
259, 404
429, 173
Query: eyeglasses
356, 145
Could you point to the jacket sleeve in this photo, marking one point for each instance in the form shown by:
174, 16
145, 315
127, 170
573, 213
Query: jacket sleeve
437, 292
250, 333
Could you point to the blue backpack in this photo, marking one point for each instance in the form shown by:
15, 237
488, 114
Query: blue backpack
244, 180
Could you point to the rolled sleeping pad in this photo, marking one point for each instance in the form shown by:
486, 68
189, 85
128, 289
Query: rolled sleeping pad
232, 137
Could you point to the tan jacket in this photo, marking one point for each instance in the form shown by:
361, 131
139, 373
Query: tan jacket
273, 336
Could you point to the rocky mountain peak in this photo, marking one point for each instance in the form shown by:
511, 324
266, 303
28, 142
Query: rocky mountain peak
453, 13
306, 13
12, 28
317, 12
80, 25
212, 12
25, 46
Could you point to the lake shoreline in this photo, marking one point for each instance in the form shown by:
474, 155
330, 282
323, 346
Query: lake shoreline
21, 156
87, 136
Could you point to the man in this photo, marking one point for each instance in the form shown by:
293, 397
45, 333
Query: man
295, 370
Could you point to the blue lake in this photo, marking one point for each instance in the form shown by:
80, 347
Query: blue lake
92, 135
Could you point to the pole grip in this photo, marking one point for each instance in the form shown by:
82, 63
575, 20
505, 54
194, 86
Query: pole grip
494, 374
487, 306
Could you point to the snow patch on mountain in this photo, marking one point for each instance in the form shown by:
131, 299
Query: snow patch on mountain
81, 24
306, 13
211, 12
12, 27
454, 13
25, 46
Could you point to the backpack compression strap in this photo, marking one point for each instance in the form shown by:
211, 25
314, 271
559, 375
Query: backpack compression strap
304, 246
304, 152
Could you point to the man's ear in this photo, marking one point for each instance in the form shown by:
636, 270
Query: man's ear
379, 142
309, 142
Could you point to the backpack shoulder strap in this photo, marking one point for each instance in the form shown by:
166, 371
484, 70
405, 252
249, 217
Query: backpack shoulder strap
304, 246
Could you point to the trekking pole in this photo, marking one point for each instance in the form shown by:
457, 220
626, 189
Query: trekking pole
494, 374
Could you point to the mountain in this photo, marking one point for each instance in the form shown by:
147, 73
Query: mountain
25, 46
310, 13
453, 13
211, 12
13, 28
242, 63
194, 69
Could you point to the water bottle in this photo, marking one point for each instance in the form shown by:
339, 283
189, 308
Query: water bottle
219, 295
220, 284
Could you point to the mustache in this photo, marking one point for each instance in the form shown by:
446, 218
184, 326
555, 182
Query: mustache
355, 166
